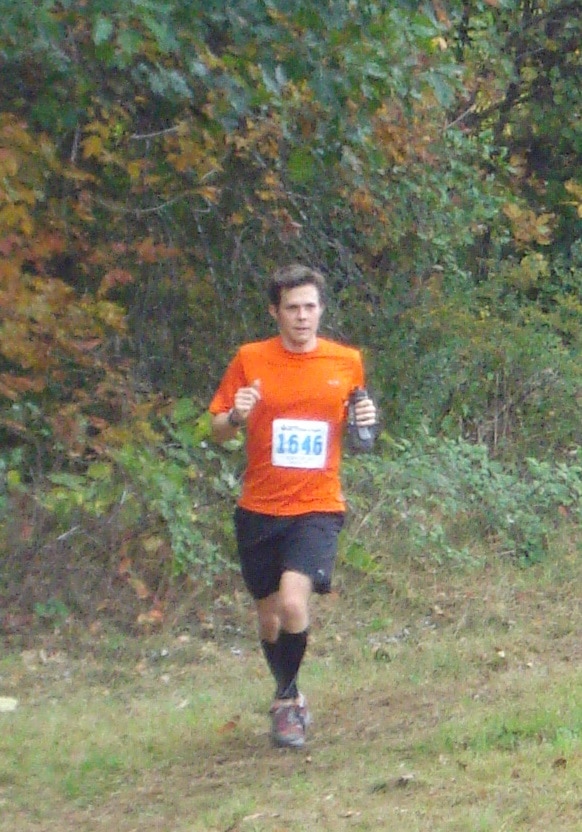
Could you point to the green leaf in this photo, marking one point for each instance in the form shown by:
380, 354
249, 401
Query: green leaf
183, 411
102, 30
99, 471
301, 166
72, 481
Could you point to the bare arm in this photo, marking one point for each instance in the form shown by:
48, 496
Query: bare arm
222, 430
226, 425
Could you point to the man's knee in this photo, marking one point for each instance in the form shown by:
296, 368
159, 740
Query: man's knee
294, 610
269, 618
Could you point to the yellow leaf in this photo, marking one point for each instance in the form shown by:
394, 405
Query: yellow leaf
575, 188
527, 227
440, 43
16, 217
209, 193
271, 180
512, 211
362, 200
8, 162
134, 169
110, 314
152, 544
12, 478
92, 146
145, 431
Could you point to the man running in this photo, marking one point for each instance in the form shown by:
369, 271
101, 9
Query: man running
290, 394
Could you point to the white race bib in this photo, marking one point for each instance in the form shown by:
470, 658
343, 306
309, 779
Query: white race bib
299, 443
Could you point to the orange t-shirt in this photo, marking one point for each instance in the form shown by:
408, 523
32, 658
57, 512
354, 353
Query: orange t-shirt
294, 432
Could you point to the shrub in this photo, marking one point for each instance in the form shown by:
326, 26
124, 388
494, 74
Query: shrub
441, 496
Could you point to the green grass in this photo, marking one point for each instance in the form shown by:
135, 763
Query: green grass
444, 701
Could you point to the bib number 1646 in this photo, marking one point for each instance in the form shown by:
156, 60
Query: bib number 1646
299, 443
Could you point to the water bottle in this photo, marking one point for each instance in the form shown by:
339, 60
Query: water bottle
360, 440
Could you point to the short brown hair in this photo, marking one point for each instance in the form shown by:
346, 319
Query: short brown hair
289, 277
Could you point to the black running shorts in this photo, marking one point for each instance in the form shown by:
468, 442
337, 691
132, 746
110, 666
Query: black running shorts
269, 546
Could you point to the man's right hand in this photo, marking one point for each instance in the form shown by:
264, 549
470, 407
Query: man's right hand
246, 398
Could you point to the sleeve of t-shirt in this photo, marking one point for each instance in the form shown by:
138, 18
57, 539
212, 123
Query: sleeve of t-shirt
360, 373
232, 380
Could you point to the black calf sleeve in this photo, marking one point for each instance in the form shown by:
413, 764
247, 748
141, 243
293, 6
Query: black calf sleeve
292, 648
272, 651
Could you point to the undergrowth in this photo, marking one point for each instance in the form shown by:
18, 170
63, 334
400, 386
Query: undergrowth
159, 510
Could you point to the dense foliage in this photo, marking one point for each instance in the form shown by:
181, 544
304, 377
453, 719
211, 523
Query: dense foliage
158, 159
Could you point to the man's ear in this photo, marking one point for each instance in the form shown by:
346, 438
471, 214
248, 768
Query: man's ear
273, 311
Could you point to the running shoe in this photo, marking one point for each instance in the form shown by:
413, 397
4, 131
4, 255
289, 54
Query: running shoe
288, 723
303, 711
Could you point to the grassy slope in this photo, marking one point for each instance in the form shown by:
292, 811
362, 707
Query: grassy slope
442, 701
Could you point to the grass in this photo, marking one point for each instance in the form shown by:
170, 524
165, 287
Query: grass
444, 701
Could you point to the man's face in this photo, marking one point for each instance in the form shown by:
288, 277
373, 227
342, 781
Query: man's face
298, 316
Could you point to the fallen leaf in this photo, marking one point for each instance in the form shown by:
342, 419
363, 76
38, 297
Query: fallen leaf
229, 726
124, 566
139, 588
7, 704
152, 617
26, 531
405, 779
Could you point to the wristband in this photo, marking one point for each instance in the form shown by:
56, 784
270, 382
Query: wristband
234, 418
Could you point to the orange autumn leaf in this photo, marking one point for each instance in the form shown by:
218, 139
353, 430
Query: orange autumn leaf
14, 386
153, 617
440, 13
113, 278
88, 344
229, 726
209, 193
139, 588
124, 566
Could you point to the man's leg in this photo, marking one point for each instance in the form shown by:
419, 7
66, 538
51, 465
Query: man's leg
283, 623
286, 613
269, 631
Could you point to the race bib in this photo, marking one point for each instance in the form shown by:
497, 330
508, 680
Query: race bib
299, 443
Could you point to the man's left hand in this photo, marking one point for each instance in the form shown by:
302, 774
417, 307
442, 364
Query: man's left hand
365, 412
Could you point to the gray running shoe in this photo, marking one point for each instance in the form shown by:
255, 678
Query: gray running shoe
288, 723
303, 711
